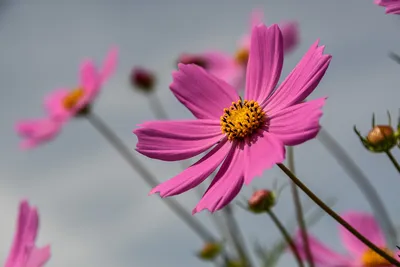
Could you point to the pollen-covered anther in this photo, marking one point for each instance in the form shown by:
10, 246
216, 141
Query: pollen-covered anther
73, 98
242, 119
372, 259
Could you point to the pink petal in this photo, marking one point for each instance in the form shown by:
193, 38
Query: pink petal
256, 18
203, 94
367, 226
296, 124
263, 152
38, 257
224, 67
302, 81
195, 174
290, 35
18, 245
109, 65
177, 140
392, 6
322, 255
265, 62
226, 184
89, 77
53, 104
31, 227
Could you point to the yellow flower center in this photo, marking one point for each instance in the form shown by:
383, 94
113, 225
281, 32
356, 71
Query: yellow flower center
242, 56
373, 259
242, 119
73, 98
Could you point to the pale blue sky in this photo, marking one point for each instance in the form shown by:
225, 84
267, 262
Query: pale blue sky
94, 210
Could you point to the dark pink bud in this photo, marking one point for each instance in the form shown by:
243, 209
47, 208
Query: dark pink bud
143, 79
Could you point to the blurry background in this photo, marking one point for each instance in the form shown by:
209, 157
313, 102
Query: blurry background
94, 210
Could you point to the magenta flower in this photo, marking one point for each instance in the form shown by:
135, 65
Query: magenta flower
392, 6
233, 69
245, 136
359, 254
24, 252
62, 104
36, 132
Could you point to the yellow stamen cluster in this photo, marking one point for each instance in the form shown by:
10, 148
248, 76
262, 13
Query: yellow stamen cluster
73, 98
242, 56
373, 259
242, 119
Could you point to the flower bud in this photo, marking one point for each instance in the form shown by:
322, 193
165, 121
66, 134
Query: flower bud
143, 79
379, 134
261, 201
193, 59
236, 263
210, 251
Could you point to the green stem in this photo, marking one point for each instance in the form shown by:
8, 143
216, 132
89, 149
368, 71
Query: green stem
393, 160
299, 210
362, 182
131, 159
287, 237
335, 216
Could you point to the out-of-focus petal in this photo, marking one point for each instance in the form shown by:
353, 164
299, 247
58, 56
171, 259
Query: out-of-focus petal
203, 94
177, 140
54, 107
290, 35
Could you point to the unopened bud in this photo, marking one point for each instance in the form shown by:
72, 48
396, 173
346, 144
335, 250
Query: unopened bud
210, 251
380, 134
236, 263
193, 59
143, 79
261, 201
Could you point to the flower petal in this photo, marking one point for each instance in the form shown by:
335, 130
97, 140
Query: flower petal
89, 77
301, 81
226, 184
203, 94
322, 255
53, 104
37, 131
177, 140
195, 174
296, 124
264, 150
256, 18
364, 223
290, 35
392, 7
224, 67
109, 65
265, 62
38, 257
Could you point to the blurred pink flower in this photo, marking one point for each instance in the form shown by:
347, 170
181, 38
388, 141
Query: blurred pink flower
38, 131
359, 254
62, 104
392, 6
24, 252
247, 136
233, 69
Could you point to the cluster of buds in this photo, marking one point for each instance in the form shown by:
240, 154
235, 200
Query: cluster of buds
143, 79
381, 138
210, 251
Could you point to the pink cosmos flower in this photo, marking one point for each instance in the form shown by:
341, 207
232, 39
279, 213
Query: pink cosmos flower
392, 6
38, 131
245, 136
62, 104
24, 252
233, 69
359, 254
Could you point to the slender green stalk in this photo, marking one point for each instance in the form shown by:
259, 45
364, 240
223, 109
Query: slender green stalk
393, 160
299, 210
287, 237
335, 216
131, 159
361, 180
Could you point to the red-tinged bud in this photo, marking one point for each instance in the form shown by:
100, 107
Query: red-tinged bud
210, 251
261, 201
380, 134
143, 79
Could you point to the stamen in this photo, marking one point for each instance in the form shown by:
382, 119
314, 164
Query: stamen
373, 259
242, 56
73, 98
242, 119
